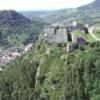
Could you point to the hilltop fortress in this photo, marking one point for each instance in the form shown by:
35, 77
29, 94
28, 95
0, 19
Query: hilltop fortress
59, 33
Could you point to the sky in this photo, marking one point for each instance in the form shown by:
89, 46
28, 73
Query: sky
22, 5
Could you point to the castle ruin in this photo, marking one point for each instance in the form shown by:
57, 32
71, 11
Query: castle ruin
62, 33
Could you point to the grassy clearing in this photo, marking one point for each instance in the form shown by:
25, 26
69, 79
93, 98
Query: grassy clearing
87, 37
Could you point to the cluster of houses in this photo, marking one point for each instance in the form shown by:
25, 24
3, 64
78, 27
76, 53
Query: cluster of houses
7, 55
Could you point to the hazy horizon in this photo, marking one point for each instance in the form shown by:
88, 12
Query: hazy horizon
41, 5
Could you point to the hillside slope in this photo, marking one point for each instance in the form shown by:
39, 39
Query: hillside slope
15, 29
92, 6
32, 14
88, 14
54, 76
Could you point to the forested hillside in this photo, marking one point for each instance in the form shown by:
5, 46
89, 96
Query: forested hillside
49, 71
15, 29
89, 13
92, 6
56, 75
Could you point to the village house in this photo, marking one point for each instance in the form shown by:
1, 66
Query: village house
28, 47
14, 54
9, 54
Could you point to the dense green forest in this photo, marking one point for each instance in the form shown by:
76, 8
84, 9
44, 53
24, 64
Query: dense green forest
16, 29
48, 72
56, 75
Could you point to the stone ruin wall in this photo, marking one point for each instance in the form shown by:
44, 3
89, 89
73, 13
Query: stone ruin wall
56, 34
61, 33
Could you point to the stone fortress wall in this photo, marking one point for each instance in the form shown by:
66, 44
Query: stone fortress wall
62, 33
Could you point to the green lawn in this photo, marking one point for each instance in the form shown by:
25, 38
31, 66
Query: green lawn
97, 34
87, 37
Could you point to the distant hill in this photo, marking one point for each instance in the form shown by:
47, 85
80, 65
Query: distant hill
31, 14
12, 18
92, 6
16, 29
61, 16
89, 13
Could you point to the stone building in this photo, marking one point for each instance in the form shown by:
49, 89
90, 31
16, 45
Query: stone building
55, 34
74, 26
63, 33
